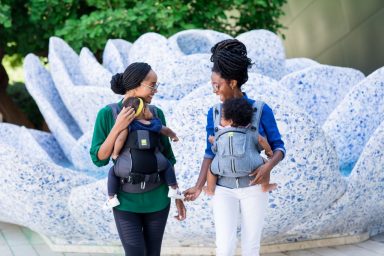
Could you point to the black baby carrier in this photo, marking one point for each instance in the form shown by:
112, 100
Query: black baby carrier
140, 161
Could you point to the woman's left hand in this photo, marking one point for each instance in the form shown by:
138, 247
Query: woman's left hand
262, 174
181, 210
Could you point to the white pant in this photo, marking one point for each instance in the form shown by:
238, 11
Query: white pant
252, 203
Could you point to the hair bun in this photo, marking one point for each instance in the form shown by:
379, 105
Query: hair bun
117, 84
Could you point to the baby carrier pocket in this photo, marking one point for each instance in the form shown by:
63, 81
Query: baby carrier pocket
233, 147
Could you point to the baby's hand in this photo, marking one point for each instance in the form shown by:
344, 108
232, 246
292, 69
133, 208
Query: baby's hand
211, 139
269, 153
175, 139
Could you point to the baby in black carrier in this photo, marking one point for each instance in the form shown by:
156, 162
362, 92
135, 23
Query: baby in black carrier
144, 156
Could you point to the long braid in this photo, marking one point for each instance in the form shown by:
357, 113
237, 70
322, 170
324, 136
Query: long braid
230, 60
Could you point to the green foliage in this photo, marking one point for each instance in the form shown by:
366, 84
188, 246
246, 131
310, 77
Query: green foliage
130, 19
25, 26
25, 102
5, 15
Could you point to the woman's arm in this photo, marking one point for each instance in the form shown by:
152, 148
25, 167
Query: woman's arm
105, 133
192, 193
262, 173
166, 131
124, 118
269, 126
119, 143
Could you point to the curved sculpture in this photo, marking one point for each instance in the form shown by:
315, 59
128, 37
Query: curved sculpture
355, 119
62, 192
319, 89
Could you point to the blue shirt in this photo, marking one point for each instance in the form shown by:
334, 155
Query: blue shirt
267, 128
154, 126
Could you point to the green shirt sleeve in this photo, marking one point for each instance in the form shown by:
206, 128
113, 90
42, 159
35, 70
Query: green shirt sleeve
167, 149
103, 126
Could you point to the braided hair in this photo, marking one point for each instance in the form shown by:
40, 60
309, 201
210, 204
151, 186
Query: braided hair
230, 60
133, 75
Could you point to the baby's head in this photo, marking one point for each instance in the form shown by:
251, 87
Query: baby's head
236, 112
141, 108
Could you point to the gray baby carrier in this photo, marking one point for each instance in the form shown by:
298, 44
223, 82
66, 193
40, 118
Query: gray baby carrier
237, 150
141, 140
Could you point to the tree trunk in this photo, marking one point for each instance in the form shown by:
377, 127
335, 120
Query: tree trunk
11, 113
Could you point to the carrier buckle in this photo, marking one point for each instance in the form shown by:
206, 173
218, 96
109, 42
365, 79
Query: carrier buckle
142, 185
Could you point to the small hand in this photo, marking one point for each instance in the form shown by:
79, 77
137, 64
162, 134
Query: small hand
211, 139
181, 210
192, 193
175, 138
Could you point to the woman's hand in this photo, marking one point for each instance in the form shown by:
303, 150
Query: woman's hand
192, 193
124, 118
181, 211
262, 174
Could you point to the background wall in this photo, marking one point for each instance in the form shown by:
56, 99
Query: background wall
337, 32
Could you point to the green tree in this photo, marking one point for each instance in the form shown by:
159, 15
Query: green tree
25, 26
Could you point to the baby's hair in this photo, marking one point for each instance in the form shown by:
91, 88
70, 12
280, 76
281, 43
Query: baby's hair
133, 102
239, 110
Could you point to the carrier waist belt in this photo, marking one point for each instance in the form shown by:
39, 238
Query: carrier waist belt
136, 178
232, 182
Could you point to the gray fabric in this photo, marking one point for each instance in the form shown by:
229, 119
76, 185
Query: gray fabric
123, 165
237, 152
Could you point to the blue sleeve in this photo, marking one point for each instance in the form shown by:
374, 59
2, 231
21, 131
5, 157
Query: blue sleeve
156, 125
268, 127
210, 131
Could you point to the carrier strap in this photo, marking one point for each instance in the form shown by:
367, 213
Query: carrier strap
257, 111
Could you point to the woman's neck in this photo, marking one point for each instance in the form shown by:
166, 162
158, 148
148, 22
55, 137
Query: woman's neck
237, 93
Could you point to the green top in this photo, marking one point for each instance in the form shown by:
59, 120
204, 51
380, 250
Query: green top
150, 201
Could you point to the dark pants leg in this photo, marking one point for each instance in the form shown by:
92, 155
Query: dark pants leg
113, 183
141, 233
169, 175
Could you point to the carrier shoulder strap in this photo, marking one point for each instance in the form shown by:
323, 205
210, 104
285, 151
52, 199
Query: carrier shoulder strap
115, 109
257, 111
155, 114
216, 117
153, 109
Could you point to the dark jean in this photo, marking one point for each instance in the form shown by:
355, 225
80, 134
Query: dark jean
141, 233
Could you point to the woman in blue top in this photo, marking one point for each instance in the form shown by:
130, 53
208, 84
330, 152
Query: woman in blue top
229, 73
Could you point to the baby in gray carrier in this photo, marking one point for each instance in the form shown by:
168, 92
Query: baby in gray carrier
136, 154
237, 145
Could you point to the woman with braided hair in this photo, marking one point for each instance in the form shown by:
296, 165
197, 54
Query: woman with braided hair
143, 210
244, 195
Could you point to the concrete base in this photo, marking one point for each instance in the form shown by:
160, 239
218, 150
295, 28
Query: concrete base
168, 250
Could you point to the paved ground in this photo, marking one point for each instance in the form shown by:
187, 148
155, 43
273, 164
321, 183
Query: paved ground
20, 241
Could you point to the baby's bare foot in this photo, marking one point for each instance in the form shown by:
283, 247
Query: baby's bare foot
268, 187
